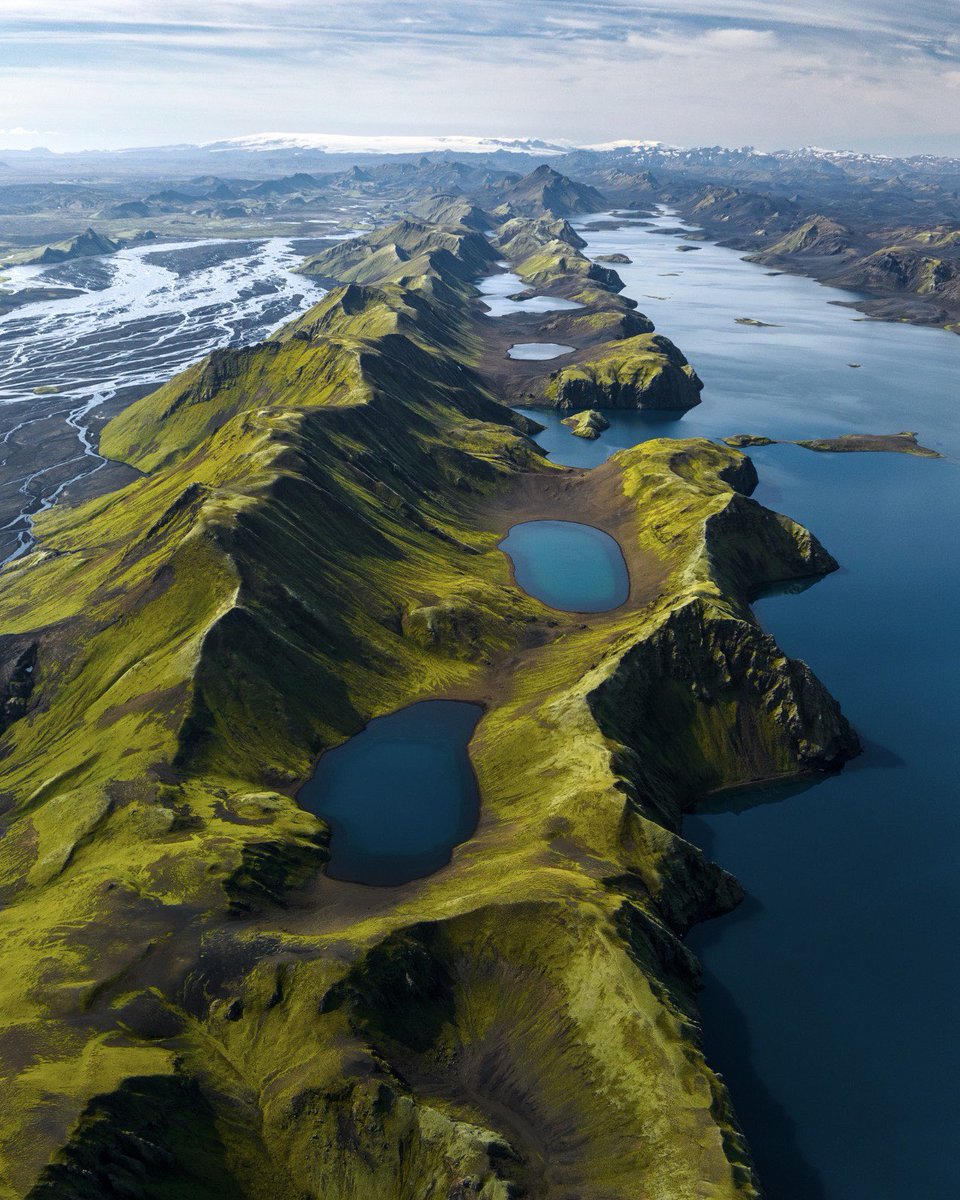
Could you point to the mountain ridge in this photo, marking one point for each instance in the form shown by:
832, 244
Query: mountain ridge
312, 541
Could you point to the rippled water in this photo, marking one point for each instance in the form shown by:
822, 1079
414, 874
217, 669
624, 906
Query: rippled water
831, 995
150, 312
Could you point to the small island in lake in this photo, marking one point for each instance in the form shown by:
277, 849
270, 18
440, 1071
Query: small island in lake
847, 443
588, 424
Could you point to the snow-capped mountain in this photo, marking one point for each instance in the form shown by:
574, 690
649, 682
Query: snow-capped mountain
339, 143
630, 145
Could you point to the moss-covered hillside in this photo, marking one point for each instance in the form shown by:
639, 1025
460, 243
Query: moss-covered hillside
645, 371
189, 1008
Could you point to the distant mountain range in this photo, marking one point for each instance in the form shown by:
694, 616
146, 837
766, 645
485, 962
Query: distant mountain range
269, 154
339, 143
646, 152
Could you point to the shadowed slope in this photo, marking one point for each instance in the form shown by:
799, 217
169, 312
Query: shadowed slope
314, 543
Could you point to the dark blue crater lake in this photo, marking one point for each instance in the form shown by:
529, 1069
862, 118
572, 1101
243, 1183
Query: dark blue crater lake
568, 566
399, 795
832, 993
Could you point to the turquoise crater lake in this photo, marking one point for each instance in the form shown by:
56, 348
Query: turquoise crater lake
568, 566
399, 795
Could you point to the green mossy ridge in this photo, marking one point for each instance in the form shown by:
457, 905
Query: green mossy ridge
406, 250
557, 262
453, 210
520, 237
303, 553
645, 371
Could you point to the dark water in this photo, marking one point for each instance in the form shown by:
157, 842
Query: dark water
568, 566
400, 795
831, 998
832, 994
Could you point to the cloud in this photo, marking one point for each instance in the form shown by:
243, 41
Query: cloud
712, 42
19, 132
739, 39
772, 72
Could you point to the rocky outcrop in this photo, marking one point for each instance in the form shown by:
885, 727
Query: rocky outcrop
87, 245
522, 237
589, 424
643, 372
544, 192
847, 443
18, 666
742, 440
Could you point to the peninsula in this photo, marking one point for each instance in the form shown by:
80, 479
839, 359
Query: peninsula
310, 541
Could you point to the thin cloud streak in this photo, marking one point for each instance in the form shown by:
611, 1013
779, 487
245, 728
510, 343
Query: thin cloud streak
777, 74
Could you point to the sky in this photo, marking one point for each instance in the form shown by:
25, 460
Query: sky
875, 75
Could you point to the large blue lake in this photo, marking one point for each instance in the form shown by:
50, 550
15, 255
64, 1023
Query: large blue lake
399, 795
831, 994
567, 565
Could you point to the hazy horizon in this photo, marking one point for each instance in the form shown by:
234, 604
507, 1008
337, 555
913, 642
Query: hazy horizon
354, 145
869, 75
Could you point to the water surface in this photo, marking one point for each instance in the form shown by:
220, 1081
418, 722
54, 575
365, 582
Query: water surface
831, 996
568, 566
399, 795
538, 351
496, 290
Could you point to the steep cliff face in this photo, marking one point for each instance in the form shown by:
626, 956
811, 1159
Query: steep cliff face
588, 424
646, 371
190, 1004
732, 709
519, 238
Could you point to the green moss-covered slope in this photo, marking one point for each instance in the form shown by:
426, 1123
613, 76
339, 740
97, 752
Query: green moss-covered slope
189, 1007
520, 237
406, 250
645, 371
